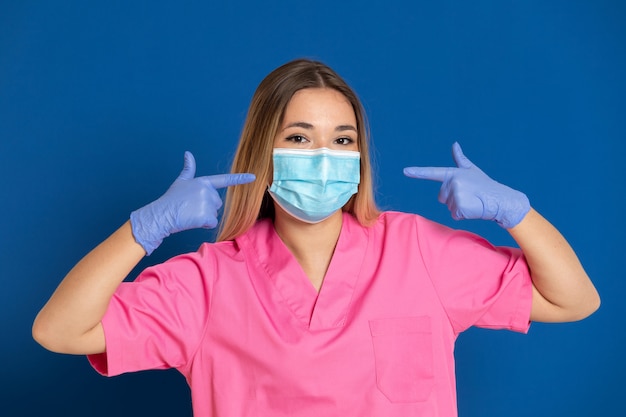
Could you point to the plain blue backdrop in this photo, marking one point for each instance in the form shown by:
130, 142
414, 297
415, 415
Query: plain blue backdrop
99, 100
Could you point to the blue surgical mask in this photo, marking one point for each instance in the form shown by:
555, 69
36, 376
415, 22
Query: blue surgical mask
312, 184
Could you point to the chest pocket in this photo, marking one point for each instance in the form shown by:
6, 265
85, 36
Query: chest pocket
404, 358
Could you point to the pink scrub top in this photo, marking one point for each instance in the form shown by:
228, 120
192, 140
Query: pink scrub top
243, 324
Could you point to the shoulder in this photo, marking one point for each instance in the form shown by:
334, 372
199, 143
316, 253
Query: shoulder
191, 268
218, 250
407, 228
395, 221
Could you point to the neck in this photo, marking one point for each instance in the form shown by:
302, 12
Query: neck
311, 244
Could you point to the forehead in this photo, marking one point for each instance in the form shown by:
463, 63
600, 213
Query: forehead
313, 103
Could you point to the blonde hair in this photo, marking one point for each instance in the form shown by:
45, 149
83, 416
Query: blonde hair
247, 203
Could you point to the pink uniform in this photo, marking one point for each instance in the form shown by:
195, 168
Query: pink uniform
253, 337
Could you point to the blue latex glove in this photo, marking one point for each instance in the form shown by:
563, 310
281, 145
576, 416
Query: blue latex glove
470, 194
189, 203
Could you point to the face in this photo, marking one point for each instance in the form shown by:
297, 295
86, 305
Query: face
318, 118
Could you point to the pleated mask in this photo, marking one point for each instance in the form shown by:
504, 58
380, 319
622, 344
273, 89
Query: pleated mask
311, 184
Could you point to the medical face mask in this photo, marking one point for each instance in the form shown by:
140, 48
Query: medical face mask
311, 184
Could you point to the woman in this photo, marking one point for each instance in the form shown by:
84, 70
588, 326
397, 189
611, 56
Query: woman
312, 302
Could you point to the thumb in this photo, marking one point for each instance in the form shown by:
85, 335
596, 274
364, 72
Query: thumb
461, 160
189, 167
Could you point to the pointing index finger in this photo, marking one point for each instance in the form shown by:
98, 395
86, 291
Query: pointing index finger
428, 173
226, 180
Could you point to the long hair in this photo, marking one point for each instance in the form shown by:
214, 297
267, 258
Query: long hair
247, 203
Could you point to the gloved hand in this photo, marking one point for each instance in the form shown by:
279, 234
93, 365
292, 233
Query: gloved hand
189, 203
470, 194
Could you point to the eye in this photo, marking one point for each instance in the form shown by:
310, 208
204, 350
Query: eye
344, 141
296, 139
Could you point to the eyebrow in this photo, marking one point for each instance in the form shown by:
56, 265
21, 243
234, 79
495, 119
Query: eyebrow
309, 126
342, 128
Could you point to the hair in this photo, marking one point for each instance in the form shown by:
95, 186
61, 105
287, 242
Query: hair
247, 203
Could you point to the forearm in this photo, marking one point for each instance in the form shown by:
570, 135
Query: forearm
562, 289
70, 318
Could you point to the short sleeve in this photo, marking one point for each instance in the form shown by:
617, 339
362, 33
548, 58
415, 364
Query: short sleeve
156, 321
478, 284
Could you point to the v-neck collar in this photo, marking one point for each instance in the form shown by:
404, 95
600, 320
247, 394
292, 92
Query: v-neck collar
278, 268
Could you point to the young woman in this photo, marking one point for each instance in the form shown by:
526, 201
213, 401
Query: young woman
312, 302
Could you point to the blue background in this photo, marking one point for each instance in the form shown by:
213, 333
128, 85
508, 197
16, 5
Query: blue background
99, 100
